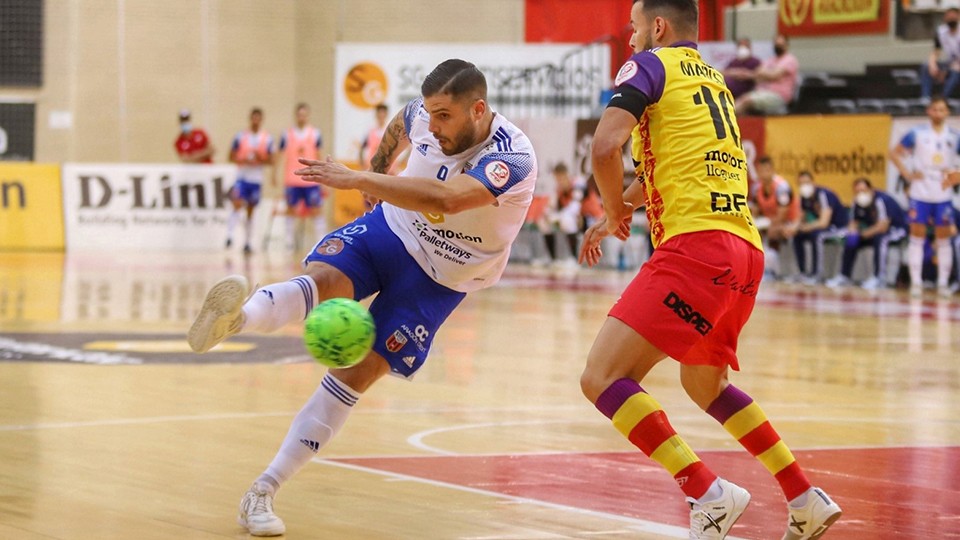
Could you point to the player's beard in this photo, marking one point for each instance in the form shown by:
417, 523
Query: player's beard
464, 140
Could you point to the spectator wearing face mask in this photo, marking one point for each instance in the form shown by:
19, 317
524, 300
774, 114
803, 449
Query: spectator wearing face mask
943, 65
876, 221
193, 144
739, 73
777, 79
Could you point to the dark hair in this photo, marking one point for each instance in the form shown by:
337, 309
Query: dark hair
560, 167
939, 98
952, 10
302, 105
256, 110
764, 160
863, 180
683, 13
805, 173
455, 78
382, 107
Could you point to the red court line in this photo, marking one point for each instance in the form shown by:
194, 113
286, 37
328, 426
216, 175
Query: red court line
886, 493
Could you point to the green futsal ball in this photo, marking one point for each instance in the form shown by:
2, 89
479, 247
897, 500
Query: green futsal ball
339, 332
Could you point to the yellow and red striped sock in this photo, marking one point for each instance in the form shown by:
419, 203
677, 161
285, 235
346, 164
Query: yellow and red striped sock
748, 424
641, 420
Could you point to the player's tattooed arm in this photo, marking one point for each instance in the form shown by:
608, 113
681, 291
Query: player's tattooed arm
393, 143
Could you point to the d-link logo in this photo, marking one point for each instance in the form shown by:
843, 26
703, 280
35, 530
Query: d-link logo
144, 193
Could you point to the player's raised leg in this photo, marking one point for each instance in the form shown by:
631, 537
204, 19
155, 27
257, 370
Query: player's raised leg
227, 310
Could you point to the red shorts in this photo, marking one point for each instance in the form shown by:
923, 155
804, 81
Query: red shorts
693, 296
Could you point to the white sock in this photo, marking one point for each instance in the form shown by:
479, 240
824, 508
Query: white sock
279, 304
316, 423
801, 500
713, 492
915, 260
944, 262
289, 226
248, 230
232, 223
319, 228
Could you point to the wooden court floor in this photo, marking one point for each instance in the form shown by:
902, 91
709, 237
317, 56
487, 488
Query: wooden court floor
111, 429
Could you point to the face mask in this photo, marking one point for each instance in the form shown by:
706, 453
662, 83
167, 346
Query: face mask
864, 198
186, 127
743, 53
779, 50
952, 24
806, 190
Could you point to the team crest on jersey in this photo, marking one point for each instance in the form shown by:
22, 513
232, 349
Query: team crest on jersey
330, 246
396, 341
626, 73
497, 173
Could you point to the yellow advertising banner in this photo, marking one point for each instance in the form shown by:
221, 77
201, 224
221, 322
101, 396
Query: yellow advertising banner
833, 17
31, 285
837, 149
31, 207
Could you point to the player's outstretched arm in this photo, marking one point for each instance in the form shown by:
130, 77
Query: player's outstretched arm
456, 194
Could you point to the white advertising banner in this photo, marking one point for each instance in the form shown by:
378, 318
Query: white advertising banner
146, 206
532, 80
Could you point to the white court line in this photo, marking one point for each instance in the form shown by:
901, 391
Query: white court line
636, 524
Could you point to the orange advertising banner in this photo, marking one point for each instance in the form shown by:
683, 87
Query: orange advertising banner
836, 149
833, 17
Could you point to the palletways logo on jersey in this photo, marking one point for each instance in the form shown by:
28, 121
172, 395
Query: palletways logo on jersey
443, 248
687, 313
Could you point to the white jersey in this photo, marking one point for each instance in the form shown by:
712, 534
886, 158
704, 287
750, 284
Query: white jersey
934, 153
466, 251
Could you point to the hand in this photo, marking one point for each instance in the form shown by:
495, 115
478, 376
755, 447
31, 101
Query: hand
619, 217
950, 179
328, 173
590, 251
914, 176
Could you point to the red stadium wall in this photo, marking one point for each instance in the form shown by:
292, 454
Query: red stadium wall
566, 21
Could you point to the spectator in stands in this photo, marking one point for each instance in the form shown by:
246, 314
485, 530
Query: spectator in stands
943, 65
823, 217
193, 144
876, 221
739, 73
780, 209
776, 79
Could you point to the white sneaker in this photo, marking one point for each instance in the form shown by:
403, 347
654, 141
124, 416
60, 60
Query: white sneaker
221, 315
814, 518
916, 291
809, 281
713, 520
944, 292
871, 284
838, 281
256, 512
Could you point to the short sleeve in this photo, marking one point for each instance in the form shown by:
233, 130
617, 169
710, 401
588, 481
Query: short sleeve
410, 113
499, 171
283, 142
644, 71
909, 140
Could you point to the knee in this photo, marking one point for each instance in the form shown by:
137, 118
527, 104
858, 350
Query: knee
592, 384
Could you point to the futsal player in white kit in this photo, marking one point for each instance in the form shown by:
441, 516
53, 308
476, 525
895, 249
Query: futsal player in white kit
443, 229
933, 148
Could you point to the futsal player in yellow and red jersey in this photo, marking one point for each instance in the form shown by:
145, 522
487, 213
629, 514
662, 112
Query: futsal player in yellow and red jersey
694, 295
